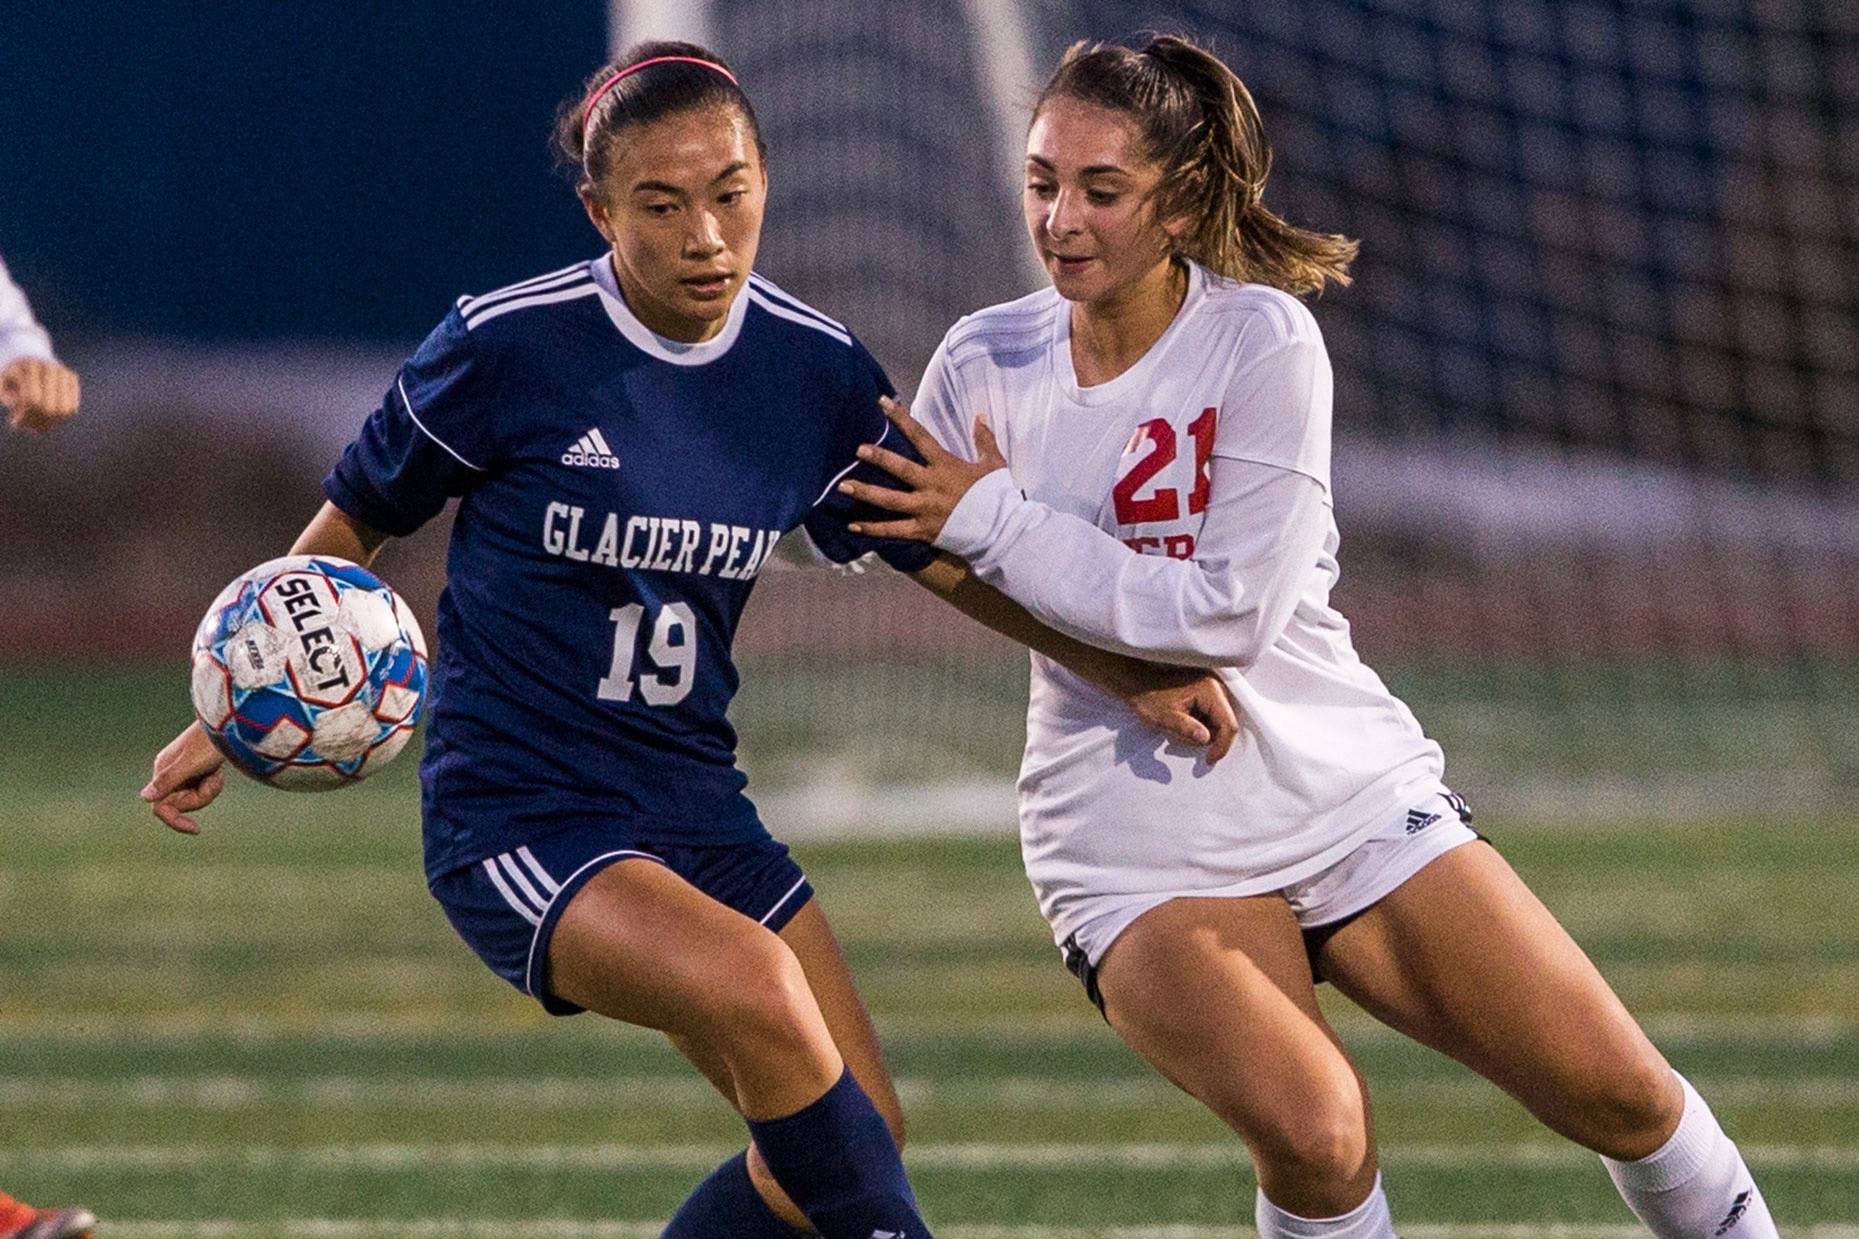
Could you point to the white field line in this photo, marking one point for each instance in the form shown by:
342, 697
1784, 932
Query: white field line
1809, 1030
556, 1228
1019, 1092
426, 1157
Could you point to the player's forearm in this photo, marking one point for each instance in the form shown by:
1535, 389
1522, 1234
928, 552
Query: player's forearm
20, 333
24, 342
951, 580
334, 532
1215, 612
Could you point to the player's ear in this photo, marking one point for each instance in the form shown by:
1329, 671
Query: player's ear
1176, 225
1174, 229
596, 212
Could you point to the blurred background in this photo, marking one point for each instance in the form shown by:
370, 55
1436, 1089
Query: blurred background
1596, 471
1597, 380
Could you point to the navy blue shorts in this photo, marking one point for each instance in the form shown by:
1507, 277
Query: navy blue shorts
506, 908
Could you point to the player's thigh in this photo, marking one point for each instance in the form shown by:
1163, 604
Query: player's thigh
1218, 995
640, 944
811, 938
1463, 957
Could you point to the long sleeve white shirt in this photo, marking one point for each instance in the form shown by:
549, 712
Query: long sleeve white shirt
1262, 530
20, 333
1179, 512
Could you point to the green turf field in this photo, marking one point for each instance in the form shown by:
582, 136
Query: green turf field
271, 1031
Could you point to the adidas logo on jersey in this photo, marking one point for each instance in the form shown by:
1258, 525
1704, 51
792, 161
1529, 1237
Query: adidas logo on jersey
592, 451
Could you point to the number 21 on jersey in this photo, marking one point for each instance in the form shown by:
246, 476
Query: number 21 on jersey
1151, 450
672, 651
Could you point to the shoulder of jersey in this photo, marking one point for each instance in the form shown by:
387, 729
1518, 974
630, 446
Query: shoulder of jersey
555, 289
1247, 308
1013, 327
790, 313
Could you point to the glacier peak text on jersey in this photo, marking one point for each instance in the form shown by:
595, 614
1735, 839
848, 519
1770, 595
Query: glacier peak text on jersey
659, 543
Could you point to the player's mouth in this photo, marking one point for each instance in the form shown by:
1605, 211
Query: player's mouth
709, 285
1067, 265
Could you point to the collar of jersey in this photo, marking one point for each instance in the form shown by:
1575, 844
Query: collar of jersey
649, 342
1138, 377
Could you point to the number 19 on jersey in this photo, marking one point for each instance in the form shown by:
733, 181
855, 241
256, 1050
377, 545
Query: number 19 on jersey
672, 653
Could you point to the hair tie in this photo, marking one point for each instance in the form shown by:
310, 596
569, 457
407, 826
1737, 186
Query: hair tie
587, 109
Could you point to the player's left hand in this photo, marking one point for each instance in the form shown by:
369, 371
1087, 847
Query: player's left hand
38, 394
1191, 707
188, 775
934, 487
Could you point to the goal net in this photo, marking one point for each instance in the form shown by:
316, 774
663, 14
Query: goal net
1597, 381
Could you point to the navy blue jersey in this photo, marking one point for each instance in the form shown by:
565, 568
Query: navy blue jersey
619, 494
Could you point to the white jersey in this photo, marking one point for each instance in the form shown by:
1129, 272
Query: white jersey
1181, 513
20, 333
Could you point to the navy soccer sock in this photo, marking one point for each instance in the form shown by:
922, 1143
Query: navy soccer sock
836, 1160
727, 1204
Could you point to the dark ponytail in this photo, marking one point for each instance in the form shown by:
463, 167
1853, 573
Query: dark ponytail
688, 78
1199, 124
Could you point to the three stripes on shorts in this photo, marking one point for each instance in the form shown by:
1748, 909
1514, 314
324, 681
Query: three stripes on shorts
525, 885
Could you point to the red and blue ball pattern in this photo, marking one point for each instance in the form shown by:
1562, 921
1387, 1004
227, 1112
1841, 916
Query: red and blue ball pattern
309, 673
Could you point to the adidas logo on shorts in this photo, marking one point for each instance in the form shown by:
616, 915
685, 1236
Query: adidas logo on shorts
1419, 819
591, 451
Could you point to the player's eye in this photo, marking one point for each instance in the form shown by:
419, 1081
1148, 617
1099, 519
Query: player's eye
732, 197
1101, 197
1041, 189
660, 208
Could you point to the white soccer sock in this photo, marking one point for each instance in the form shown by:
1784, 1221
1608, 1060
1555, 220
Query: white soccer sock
1368, 1220
1696, 1186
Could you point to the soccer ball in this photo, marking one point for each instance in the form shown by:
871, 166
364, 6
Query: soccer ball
309, 673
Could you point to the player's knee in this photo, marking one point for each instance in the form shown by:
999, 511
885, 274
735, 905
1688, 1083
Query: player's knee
767, 1006
1628, 1112
1322, 1139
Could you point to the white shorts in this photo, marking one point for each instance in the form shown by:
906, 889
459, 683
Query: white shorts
1325, 900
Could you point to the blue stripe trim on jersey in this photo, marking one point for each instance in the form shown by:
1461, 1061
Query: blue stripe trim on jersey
781, 311
789, 299
585, 289
483, 304
520, 286
407, 404
840, 476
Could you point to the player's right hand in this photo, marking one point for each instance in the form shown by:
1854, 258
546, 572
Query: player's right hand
188, 776
1196, 710
37, 394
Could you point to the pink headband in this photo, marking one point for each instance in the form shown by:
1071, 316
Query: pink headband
587, 109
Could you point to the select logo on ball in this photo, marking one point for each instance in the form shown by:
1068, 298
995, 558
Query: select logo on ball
325, 665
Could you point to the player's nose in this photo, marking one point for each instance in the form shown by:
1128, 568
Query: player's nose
705, 237
1064, 217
